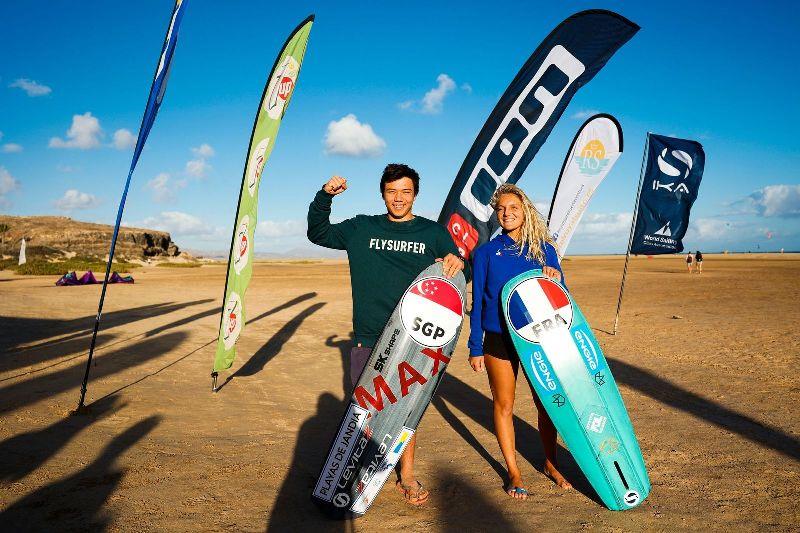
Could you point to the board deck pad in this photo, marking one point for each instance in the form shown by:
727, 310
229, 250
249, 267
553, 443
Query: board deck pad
401, 376
566, 367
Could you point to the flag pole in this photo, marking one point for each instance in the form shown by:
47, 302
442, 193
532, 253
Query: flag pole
633, 228
154, 99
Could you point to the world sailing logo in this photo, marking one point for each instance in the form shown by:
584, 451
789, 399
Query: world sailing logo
592, 159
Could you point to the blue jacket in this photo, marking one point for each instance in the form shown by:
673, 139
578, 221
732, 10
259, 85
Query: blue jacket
493, 265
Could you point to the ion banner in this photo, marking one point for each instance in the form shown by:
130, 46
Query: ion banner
592, 154
669, 187
274, 101
566, 60
157, 90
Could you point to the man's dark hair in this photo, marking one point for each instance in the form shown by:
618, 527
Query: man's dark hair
396, 171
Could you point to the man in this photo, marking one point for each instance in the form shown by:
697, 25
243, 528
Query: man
386, 253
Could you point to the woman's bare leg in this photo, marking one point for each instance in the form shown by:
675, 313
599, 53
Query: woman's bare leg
503, 382
548, 434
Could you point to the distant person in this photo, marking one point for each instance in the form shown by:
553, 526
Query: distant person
524, 244
698, 258
386, 252
689, 261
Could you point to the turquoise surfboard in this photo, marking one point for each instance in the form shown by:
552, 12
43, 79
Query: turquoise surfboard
566, 367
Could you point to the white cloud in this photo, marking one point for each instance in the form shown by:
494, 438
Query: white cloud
542, 207
199, 167
31, 87
347, 136
603, 225
7, 184
775, 201
123, 139
178, 223
74, 199
433, 101
711, 229
84, 133
11, 148
271, 229
164, 188
467, 88
65, 168
583, 114
204, 150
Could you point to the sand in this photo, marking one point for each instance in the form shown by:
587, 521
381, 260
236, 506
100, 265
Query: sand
713, 396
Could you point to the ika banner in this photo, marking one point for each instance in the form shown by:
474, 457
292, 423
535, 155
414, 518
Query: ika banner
274, 101
591, 156
566, 60
156, 96
669, 187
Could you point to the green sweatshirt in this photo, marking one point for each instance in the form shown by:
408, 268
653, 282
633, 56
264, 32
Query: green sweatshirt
385, 257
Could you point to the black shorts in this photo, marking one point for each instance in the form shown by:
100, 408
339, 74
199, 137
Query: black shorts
359, 355
499, 345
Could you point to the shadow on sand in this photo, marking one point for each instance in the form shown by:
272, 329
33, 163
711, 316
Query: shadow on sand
26, 392
273, 346
670, 394
293, 509
477, 406
76, 502
344, 345
22, 454
29, 330
480, 514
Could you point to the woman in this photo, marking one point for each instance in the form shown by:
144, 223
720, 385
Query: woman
698, 258
524, 244
689, 261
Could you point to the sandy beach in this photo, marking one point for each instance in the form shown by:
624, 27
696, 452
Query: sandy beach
707, 365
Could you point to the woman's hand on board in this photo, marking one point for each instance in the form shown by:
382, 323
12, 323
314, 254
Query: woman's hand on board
552, 273
476, 363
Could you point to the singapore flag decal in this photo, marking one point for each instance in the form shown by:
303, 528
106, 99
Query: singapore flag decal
431, 311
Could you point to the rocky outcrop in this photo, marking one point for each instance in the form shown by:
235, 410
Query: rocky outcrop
53, 235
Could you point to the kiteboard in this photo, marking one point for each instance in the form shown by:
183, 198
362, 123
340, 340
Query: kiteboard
397, 384
566, 367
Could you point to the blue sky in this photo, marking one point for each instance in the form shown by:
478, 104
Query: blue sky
722, 73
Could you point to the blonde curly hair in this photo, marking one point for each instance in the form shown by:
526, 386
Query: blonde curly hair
534, 230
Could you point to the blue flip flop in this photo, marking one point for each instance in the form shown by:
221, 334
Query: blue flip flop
518, 490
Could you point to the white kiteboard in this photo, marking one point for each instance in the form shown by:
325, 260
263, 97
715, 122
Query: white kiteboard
397, 384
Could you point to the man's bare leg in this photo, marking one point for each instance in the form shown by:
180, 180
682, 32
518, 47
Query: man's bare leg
407, 483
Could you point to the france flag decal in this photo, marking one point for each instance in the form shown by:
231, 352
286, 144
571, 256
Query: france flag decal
537, 306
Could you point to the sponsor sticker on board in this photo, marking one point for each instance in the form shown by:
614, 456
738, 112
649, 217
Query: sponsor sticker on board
373, 486
431, 311
349, 434
537, 306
